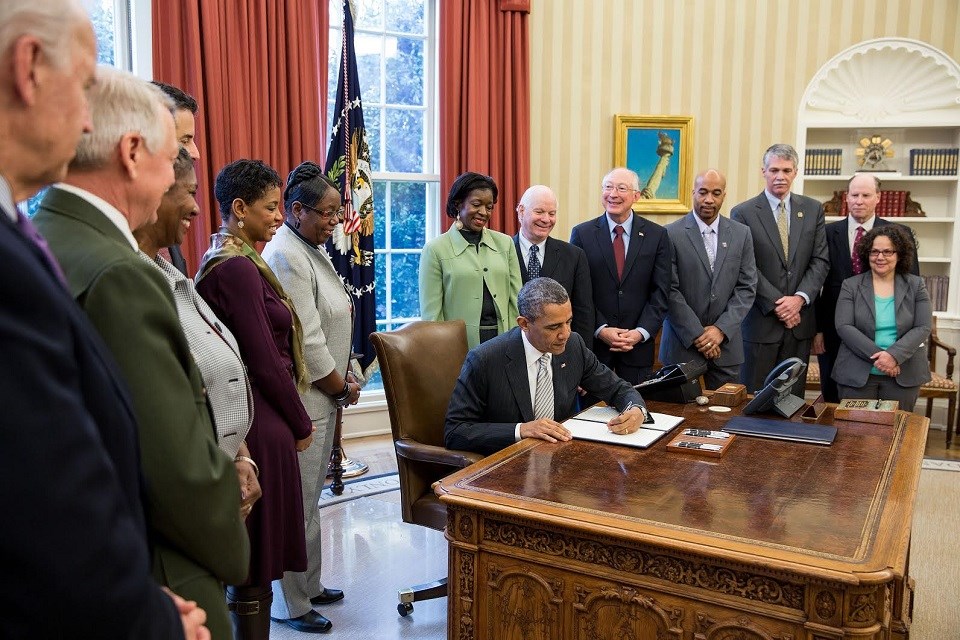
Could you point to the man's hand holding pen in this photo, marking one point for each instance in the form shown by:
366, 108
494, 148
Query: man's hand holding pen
627, 422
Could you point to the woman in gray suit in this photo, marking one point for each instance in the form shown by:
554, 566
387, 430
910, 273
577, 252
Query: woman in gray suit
883, 320
297, 257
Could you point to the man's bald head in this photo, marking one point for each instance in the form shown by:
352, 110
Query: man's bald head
537, 213
709, 190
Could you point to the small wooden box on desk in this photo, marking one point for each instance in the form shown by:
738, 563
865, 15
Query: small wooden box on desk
688, 444
872, 411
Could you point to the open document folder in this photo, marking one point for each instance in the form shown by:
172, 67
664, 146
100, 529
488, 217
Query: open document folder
592, 425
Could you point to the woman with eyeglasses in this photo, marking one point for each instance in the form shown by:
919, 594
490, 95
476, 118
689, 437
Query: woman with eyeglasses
298, 258
883, 320
247, 297
471, 272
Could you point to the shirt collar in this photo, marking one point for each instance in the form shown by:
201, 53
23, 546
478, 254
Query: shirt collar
111, 212
852, 223
6, 199
531, 352
526, 244
715, 225
626, 224
775, 201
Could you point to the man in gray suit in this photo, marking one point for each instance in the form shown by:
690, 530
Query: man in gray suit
713, 285
790, 247
523, 383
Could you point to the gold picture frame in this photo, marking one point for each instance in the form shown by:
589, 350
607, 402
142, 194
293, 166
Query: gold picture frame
660, 150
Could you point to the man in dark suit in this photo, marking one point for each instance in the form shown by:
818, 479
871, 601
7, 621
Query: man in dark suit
75, 552
112, 187
790, 248
541, 255
629, 259
713, 287
523, 383
863, 196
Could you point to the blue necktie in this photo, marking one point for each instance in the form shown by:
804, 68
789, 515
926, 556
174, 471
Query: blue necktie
533, 264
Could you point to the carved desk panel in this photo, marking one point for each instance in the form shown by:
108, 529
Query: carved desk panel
776, 540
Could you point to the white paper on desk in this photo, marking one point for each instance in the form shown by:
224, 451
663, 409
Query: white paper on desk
643, 438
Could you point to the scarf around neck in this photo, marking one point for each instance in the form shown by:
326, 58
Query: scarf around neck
223, 246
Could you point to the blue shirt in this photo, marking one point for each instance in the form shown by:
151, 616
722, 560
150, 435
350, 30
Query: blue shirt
885, 333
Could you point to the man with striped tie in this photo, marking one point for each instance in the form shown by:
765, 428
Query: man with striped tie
523, 383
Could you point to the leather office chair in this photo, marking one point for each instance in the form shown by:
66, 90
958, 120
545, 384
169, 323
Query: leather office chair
420, 363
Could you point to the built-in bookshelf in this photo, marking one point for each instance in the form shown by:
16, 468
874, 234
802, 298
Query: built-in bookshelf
907, 93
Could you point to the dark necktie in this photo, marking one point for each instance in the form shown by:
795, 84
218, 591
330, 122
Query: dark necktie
533, 264
855, 255
30, 231
619, 252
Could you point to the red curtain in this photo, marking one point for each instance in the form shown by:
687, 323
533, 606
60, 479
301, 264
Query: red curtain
485, 99
259, 72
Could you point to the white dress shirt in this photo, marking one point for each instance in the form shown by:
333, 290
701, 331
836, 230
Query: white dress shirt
533, 357
525, 249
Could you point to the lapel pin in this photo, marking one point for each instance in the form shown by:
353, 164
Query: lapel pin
640, 234
723, 244
563, 364
799, 214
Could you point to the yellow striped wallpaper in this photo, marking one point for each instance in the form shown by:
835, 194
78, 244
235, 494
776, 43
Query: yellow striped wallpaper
739, 67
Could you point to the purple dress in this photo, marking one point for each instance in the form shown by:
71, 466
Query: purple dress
262, 324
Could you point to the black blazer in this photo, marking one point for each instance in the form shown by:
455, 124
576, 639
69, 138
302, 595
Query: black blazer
841, 268
640, 299
567, 265
492, 394
76, 545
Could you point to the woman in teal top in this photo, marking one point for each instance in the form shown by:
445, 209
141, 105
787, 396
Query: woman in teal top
883, 320
471, 272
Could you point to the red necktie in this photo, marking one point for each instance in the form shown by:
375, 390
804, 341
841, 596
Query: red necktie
855, 256
619, 253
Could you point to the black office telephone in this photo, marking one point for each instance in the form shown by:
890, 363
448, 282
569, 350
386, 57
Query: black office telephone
678, 383
775, 395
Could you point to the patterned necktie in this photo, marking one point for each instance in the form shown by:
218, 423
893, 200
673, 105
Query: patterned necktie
619, 251
31, 233
533, 264
543, 405
855, 256
709, 243
782, 227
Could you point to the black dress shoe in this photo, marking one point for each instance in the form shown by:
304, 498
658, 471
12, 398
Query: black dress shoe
310, 622
327, 596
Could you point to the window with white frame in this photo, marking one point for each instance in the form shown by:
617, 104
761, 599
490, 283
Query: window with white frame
395, 41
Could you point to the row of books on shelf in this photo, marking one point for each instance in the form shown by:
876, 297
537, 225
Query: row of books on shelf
937, 288
892, 204
823, 162
934, 162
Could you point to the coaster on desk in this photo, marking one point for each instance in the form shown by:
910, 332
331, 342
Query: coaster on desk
719, 409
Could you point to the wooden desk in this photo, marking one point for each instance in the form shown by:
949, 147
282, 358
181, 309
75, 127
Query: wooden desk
776, 540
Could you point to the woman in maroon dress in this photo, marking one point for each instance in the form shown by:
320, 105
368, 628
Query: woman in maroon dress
246, 296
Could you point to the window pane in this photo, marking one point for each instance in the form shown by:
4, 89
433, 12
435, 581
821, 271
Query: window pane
334, 48
405, 273
404, 71
380, 271
369, 14
380, 216
404, 140
368, 66
371, 120
405, 16
336, 13
101, 15
408, 207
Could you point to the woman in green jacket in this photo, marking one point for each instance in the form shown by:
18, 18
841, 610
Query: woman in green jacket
471, 273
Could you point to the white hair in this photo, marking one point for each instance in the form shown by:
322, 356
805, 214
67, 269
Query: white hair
534, 192
47, 20
633, 177
120, 103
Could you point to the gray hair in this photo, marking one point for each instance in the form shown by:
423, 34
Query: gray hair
538, 293
634, 177
534, 192
782, 151
50, 21
120, 103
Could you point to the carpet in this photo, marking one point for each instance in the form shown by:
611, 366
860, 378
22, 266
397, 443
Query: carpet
360, 487
938, 464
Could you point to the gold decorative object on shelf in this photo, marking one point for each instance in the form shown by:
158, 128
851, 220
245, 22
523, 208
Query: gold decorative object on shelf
872, 151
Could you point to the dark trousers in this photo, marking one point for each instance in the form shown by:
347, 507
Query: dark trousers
827, 385
882, 388
761, 358
717, 375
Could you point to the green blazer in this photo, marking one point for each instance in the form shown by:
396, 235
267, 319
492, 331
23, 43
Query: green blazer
193, 496
452, 274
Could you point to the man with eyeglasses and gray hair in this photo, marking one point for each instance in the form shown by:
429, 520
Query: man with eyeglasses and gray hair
630, 264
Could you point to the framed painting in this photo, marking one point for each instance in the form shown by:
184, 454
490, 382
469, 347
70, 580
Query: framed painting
660, 150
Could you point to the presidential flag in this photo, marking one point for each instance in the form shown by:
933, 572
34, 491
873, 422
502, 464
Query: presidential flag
348, 164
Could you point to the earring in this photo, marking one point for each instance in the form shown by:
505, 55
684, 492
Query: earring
458, 224
240, 224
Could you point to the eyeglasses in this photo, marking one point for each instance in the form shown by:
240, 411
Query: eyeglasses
325, 214
886, 253
619, 188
